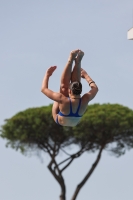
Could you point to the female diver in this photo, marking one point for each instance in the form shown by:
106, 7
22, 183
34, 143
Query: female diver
69, 106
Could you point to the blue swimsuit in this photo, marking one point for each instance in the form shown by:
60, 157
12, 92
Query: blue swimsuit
71, 114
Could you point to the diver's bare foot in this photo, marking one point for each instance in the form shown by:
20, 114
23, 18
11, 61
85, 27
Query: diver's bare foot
73, 55
79, 56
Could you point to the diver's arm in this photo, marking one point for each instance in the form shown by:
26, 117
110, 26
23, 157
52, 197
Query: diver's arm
94, 89
45, 83
45, 90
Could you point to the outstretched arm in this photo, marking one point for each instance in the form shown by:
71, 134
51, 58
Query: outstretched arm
94, 89
44, 89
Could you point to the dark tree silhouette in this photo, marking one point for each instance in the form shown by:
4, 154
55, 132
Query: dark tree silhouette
106, 126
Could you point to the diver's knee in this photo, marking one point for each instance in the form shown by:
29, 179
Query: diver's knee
63, 87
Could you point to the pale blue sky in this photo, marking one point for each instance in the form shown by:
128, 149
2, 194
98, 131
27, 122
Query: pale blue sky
37, 34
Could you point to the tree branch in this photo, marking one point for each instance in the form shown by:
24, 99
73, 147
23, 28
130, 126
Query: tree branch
58, 174
80, 185
76, 155
45, 148
67, 165
65, 152
52, 171
71, 158
64, 160
58, 177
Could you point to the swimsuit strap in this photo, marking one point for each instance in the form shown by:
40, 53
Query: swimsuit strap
77, 108
70, 106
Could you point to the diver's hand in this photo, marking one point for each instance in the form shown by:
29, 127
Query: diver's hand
50, 70
83, 73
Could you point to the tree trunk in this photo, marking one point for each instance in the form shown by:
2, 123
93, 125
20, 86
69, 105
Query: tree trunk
62, 197
63, 190
59, 178
79, 186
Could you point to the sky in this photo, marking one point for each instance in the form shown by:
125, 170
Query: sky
38, 34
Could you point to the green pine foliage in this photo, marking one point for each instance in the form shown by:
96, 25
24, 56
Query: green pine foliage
33, 129
104, 124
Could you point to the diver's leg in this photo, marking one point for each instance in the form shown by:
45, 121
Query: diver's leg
66, 74
76, 73
55, 110
65, 81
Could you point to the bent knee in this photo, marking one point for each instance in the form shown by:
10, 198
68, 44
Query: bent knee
64, 86
55, 108
64, 89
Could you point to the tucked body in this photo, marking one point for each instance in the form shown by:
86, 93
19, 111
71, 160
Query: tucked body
69, 106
